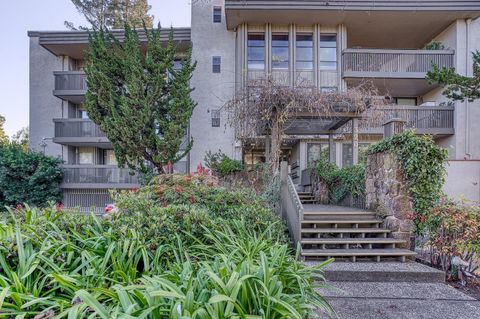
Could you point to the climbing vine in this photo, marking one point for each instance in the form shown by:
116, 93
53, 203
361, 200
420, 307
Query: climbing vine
341, 181
423, 164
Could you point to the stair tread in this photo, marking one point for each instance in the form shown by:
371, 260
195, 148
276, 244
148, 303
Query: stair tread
353, 212
352, 241
345, 230
342, 221
358, 252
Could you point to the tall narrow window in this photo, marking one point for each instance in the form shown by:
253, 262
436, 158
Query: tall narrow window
280, 56
304, 52
216, 64
256, 51
215, 118
217, 14
328, 52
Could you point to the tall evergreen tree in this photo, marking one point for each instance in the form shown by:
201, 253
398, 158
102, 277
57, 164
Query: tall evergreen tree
140, 101
458, 87
113, 14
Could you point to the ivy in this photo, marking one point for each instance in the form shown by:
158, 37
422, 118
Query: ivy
341, 181
422, 163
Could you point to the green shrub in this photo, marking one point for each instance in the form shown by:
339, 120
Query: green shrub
28, 177
222, 164
423, 164
49, 267
341, 182
202, 192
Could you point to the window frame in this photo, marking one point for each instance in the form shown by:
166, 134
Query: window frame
217, 14
303, 47
320, 47
256, 46
216, 67
215, 116
287, 61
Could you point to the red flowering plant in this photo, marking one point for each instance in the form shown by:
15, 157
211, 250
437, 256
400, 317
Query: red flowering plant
454, 231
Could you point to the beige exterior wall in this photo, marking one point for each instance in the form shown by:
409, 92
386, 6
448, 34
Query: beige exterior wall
463, 180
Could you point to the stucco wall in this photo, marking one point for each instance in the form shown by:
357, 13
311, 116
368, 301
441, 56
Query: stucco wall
212, 90
463, 37
463, 180
44, 106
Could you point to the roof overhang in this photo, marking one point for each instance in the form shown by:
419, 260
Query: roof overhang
380, 23
74, 43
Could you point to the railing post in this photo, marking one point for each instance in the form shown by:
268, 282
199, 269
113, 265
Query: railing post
393, 126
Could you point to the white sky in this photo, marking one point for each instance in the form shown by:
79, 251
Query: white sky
19, 16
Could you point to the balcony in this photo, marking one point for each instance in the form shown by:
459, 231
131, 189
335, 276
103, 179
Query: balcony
394, 72
98, 176
79, 132
434, 120
70, 86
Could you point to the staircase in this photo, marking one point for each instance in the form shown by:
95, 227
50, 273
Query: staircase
345, 233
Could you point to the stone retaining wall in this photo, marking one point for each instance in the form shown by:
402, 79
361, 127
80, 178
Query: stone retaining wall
387, 193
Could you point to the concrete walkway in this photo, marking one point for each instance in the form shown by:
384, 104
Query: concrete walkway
396, 299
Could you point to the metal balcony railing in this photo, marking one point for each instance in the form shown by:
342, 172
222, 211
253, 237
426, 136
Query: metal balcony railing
436, 120
97, 174
77, 128
70, 81
394, 63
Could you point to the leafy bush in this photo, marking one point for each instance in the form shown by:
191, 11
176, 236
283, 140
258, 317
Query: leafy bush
28, 177
423, 164
454, 231
341, 182
202, 192
49, 267
222, 164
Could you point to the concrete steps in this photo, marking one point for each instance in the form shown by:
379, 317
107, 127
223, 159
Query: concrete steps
346, 233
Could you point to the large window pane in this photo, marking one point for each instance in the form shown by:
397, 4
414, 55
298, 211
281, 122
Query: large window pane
304, 52
86, 155
256, 51
328, 52
280, 55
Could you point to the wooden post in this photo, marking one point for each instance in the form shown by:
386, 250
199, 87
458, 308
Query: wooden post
355, 141
267, 148
393, 126
331, 149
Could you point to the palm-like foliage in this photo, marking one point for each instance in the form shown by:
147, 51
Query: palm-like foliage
92, 272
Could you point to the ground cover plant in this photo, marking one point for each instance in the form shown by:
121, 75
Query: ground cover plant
179, 248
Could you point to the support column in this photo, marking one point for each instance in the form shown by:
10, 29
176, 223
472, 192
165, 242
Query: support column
267, 148
331, 149
355, 141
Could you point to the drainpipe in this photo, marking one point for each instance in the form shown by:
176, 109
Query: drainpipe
467, 73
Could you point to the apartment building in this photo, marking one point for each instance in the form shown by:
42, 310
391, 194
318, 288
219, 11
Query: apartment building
327, 45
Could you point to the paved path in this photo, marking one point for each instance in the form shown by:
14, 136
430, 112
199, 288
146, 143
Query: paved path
397, 299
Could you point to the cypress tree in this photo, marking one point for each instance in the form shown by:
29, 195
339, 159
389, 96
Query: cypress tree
140, 100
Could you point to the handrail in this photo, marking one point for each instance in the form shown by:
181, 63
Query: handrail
292, 208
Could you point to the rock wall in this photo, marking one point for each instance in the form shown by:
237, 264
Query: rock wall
387, 193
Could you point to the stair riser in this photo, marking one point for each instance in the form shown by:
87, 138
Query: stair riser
327, 217
337, 225
385, 276
345, 246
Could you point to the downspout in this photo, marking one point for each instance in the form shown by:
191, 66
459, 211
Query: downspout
467, 73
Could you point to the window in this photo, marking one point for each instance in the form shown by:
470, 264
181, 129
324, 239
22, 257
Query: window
216, 64
86, 155
304, 52
347, 153
109, 157
217, 14
256, 51
328, 52
409, 101
280, 56
316, 150
215, 118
